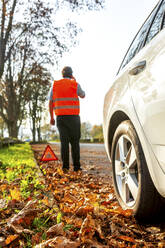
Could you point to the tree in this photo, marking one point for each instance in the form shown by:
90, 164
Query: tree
36, 19
97, 133
17, 56
29, 36
2, 127
85, 130
38, 88
48, 133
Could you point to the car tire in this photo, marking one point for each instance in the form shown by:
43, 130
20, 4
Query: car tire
132, 182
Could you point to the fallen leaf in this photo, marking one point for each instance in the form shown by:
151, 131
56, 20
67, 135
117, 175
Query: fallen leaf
10, 238
161, 244
3, 203
153, 229
56, 230
36, 238
84, 210
59, 242
126, 238
15, 194
25, 217
2, 241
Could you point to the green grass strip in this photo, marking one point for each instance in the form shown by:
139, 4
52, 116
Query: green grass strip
17, 164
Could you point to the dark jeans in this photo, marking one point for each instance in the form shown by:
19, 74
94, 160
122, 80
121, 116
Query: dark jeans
69, 129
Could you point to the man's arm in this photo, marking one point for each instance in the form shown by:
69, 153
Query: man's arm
52, 121
80, 92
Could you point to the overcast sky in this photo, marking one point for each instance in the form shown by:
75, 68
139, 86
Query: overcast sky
103, 43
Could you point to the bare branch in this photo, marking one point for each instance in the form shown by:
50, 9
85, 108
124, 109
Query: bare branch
3, 18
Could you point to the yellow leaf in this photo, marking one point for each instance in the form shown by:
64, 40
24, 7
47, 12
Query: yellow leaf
15, 194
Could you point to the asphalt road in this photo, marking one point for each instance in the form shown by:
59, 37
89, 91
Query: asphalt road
93, 158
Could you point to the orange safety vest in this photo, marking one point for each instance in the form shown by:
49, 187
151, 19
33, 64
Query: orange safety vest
65, 98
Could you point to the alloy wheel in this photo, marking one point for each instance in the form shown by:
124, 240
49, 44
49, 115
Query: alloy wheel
126, 170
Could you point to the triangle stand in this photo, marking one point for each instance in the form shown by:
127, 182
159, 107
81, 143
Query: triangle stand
48, 155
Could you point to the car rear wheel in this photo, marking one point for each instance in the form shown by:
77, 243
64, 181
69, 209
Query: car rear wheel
132, 182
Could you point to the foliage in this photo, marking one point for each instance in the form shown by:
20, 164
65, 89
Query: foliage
85, 130
30, 35
22, 41
91, 133
49, 133
97, 133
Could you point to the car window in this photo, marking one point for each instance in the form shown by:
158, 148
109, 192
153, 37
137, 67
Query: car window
156, 25
163, 21
139, 40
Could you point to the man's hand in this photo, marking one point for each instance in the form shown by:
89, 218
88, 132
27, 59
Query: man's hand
52, 122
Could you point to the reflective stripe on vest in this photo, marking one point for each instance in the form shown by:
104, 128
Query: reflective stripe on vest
67, 107
65, 98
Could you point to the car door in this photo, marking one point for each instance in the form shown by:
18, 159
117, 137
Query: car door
147, 84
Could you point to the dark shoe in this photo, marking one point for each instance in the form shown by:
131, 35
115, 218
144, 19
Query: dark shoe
77, 169
65, 170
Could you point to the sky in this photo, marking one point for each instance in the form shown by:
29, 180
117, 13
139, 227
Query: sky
102, 45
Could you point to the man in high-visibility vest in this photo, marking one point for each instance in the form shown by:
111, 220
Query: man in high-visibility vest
64, 102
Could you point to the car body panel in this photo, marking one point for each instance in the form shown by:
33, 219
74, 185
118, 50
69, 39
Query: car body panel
143, 101
148, 94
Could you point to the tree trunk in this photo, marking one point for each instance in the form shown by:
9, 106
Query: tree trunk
13, 129
34, 129
39, 133
2, 56
2, 132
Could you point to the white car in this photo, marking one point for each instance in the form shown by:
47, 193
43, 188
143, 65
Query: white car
134, 121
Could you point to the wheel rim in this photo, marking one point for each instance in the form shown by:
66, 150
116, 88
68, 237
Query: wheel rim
126, 170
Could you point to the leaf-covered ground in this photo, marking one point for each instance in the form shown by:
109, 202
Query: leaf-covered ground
71, 210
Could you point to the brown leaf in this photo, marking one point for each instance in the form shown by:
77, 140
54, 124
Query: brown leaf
70, 198
84, 210
114, 229
87, 229
59, 242
77, 222
126, 238
63, 180
36, 238
19, 229
56, 230
26, 215
119, 210
106, 202
95, 244
3, 203
92, 186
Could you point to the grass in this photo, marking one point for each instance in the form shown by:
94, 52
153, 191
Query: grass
17, 165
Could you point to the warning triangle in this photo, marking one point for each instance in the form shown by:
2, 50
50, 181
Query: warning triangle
48, 154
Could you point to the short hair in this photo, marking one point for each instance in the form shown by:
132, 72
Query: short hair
67, 72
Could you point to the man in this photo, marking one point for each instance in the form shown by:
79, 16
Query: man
64, 101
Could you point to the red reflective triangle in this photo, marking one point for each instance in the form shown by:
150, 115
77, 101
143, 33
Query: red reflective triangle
48, 154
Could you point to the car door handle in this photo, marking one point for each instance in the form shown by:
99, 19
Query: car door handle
139, 67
